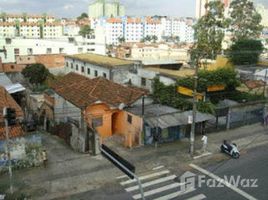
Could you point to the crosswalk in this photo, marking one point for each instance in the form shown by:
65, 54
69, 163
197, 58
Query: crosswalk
157, 184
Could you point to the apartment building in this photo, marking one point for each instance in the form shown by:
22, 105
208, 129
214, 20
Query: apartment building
19, 47
52, 30
103, 8
26, 18
7, 29
135, 29
151, 51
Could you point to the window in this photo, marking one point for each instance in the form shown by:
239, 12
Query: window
129, 119
97, 122
76, 67
88, 70
30, 51
143, 81
104, 75
67, 64
17, 51
72, 65
49, 50
96, 73
80, 50
82, 69
61, 50
12, 67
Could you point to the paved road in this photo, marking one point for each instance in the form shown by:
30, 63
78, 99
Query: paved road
161, 183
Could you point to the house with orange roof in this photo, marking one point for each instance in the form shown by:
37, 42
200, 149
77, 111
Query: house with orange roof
96, 105
6, 100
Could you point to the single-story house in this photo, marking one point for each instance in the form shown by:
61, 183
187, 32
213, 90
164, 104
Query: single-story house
95, 104
166, 123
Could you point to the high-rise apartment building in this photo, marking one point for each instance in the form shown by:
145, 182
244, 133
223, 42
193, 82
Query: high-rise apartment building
104, 8
135, 29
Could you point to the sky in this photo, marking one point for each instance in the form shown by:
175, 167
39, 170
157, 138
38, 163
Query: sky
73, 8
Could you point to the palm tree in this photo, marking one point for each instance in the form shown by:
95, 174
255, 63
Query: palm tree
24, 16
17, 24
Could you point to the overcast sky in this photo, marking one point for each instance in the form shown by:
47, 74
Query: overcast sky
72, 8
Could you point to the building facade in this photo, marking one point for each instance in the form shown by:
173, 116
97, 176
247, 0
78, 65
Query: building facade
104, 8
26, 47
136, 29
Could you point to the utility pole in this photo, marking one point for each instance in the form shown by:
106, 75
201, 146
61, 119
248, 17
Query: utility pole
10, 118
192, 135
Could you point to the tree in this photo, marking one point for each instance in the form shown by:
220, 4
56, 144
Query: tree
3, 16
244, 20
36, 73
209, 31
154, 38
245, 51
24, 16
147, 38
85, 30
121, 40
82, 16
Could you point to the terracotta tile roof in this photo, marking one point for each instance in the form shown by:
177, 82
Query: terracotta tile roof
100, 60
7, 101
252, 84
82, 91
14, 131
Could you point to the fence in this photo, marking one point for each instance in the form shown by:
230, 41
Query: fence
239, 115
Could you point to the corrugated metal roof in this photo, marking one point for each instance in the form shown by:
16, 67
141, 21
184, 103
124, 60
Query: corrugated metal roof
176, 119
9, 86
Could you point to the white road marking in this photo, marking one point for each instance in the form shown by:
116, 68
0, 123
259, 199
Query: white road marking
227, 184
198, 197
175, 194
159, 167
147, 184
145, 177
120, 177
158, 190
202, 155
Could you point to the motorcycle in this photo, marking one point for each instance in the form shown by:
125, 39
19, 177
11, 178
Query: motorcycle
230, 149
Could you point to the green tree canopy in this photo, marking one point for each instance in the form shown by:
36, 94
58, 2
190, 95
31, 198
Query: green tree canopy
209, 31
221, 76
36, 73
245, 51
82, 16
121, 40
244, 20
85, 30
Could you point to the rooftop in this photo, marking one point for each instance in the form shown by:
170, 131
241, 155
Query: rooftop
104, 61
152, 110
173, 73
82, 91
7, 101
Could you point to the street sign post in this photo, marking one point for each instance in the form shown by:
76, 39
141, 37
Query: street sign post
122, 164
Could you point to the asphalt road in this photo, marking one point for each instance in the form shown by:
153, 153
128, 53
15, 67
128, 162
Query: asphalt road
252, 165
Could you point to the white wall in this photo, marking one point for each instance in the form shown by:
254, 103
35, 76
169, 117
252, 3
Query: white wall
42, 46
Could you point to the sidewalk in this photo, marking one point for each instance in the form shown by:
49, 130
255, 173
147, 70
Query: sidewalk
176, 154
